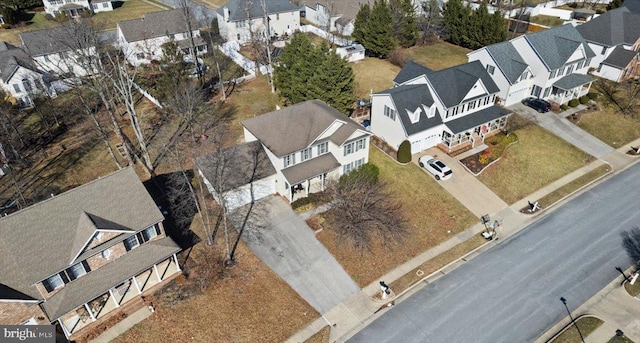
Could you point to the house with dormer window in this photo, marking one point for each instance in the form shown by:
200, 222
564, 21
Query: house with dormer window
293, 152
452, 108
551, 64
73, 260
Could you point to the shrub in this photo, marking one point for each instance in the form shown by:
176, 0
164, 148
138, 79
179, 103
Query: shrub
564, 107
404, 152
398, 57
312, 200
592, 95
6, 26
48, 16
584, 99
371, 170
573, 102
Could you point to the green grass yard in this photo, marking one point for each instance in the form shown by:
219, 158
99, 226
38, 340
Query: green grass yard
610, 127
373, 75
439, 55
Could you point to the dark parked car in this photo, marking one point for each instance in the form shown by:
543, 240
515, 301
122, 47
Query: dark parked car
537, 104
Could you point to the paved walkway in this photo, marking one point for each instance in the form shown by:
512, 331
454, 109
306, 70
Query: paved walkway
123, 326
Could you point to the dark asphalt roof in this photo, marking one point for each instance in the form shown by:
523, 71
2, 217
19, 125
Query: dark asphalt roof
237, 10
620, 57
632, 5
311, 168
508, 60
155, 24
410, 71
555, 45
476, 119
409, 98
572, 81
236, 166
453, 84
612, 28
11, 58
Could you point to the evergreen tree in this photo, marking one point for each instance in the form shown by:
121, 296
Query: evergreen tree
456, 21
498, 28
473, 29
361, 24
480, 27
404, 27
614, 4
295, 68
379, 41
334, 82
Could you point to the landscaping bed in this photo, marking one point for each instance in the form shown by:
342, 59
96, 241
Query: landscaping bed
497, 144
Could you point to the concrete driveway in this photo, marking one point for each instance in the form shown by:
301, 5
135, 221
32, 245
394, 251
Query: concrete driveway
566, 130
282, 240
465, 187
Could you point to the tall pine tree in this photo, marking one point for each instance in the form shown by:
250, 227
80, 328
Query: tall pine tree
380, 41
404, 26
361, 24
456, 21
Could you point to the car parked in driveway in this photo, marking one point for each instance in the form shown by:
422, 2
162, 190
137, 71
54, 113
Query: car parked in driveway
539, 105
436, 167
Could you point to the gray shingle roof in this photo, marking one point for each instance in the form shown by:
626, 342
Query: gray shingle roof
238, 11
347, 8
39, 240
155, 24
99, 281
620, 57
236, 166
410, 71
572, 81
453, 84
409, 98
476, 119
11, 58
615, 27
311, 168
50, 41
296, 127
632, 5
555, 45
508, 60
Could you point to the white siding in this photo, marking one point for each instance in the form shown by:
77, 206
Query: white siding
391, 131
280, 23
609, 72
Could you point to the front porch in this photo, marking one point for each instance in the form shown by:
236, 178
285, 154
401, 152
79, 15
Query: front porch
310, 176
113, 299
469, 133
570, 87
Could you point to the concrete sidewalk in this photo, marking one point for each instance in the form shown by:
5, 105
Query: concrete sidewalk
123, 325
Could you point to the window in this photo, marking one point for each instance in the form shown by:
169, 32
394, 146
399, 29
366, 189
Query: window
361, 144
105, 5
149, 233
352, 166
389, 112
524, 76
46, 58
580, 64
535, 91
552, 74
604, 50
53, 282
27, 85
352, 147
172, 36
323, 148
289, 160
140, 55
570, 69
131, 242
305, 154
94, 6
348, 149
239, 24
277, 16
16, 87
77, 270
490, 69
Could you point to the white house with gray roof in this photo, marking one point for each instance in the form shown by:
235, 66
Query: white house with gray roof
550, 64
75, 258
452, 108
20, 77
237, 19
75, 8
293, 151
141, 39
615, 38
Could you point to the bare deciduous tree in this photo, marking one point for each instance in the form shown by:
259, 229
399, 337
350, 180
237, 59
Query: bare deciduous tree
631, 244
624, 97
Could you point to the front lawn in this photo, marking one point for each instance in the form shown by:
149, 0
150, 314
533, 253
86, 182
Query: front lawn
439, 55
612, 128
587, 325
538, 159
433, 216
249, 99
547, 20
373, 74
130, 9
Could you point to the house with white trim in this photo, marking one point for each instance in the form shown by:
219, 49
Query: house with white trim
615, 38
293, 152
452, 109
75, 8
238, 19
141, 39
550, 64
332, 15
78, 257
20, 77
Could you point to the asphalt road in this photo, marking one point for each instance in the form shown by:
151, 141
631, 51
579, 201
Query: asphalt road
511, 293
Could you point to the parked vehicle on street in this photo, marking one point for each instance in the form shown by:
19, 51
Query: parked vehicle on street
436, 167
539, 105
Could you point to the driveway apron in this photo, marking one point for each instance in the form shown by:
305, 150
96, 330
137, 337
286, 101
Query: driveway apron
284, 242
564, 129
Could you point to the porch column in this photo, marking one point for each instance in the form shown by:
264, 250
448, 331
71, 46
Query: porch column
322, 176
135, 283
64, 329
155, 270
175, 258
93, 318
113, 297
589, 87
307, 188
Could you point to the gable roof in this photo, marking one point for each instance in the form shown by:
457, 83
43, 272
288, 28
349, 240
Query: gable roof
11, 58
296, 127
618, 26
155, 24
49, 41
38, 241
632, 5
410, 71
236, 166
508, 60
237, 10
555, 45
453, 84
476, 119
620, 57
346, 9
409, 98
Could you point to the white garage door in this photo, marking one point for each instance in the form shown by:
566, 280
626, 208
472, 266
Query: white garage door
242, 196
416, 147
431, 141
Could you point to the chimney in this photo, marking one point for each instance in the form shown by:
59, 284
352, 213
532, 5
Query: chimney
225, 10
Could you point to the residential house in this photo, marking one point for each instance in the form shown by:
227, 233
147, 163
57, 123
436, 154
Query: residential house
57, 51
293, 151
20, 77
332, 15
551, 64
73, 260
239, 19
75, 8
615, 38
452, 108
141, 39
